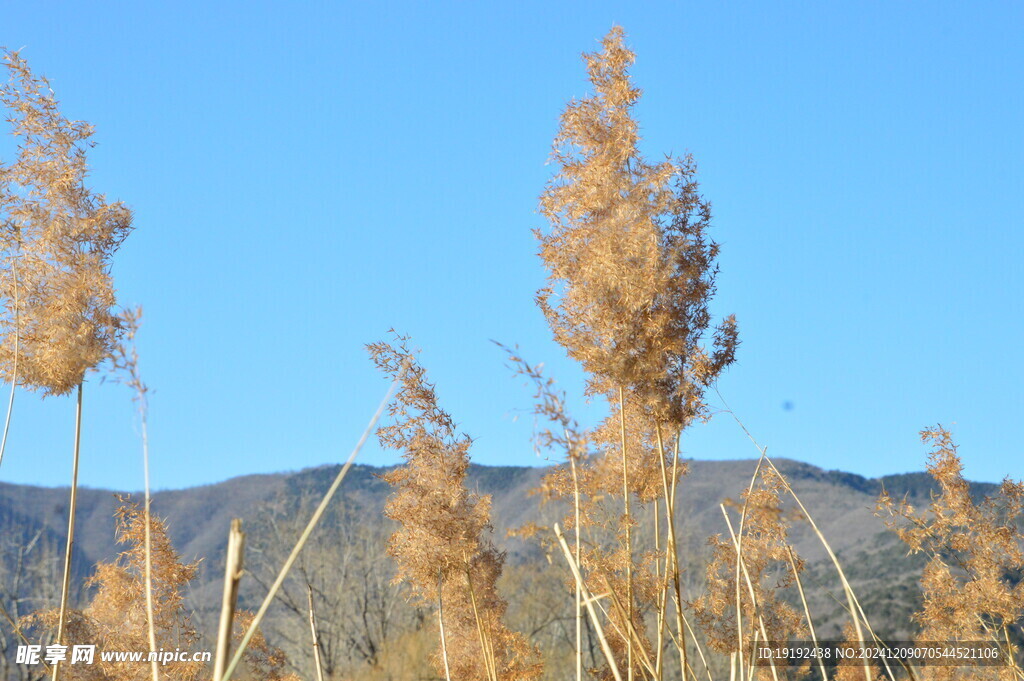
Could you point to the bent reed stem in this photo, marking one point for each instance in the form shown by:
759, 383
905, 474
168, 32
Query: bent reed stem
588, 601
306, 533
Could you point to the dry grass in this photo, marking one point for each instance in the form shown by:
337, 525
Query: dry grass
631, 273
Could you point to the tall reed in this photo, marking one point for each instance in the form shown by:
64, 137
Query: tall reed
116, 616
972, 585
61, 237
564, 433
58, 238
125, 362
442, 548
630, 276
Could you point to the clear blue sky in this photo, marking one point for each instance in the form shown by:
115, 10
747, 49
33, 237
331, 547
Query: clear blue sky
305, 176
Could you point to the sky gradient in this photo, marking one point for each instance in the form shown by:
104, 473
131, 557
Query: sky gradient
306, 177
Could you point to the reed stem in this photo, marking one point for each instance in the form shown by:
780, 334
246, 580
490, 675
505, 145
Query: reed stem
232, 575
310, 526
17, 351
629, 537
316, 637
65, 589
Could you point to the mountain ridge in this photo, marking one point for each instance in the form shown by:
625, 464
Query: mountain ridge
198, 518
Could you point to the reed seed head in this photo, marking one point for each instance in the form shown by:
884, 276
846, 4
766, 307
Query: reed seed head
58, 239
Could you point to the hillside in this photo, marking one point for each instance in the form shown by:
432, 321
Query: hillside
198, 519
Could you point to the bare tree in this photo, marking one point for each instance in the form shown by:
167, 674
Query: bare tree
28, 575
350, 575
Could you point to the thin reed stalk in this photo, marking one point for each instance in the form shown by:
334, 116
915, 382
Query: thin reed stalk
550, 404
310, 526
316, 637
874, 637
753, 646
739, 562
233, 568
485, 647
576, 532
662, 604
150, 619
807, 612
631, 632
65, 589
588, 601
440, 624
700, 652
125, 359
629, 537
14, 370
672, 551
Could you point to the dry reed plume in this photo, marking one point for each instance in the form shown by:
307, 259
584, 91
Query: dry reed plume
58, 238
442, 548
116, 618
630, 276
631, 269
972, 585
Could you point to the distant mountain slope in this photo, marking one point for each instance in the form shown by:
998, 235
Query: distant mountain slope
198, 517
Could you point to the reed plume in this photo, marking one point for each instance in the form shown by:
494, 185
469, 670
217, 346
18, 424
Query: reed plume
442, 547
630, 266
58, 238
972, 583
631, 272
116, 617
747, 573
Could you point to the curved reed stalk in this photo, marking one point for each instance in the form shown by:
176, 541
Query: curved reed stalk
856, 613
310, 526
588, 601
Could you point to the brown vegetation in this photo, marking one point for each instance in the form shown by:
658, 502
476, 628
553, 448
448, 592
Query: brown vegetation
58, 238
441, 547
631, 274
115, 618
